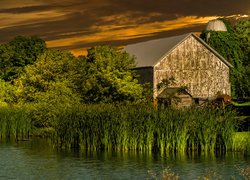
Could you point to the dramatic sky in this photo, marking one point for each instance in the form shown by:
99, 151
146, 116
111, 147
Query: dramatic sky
75, 25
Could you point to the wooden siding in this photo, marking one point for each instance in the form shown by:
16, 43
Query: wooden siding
194, 66
185, 100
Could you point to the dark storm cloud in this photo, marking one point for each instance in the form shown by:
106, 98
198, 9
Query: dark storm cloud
68, 27
187, 7
28, 9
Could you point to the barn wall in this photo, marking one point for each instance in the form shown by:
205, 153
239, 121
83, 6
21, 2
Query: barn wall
194, 66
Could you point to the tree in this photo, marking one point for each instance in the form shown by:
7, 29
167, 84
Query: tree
48, 86
53, 72
18, 53
110, 77
242, 32
228, 45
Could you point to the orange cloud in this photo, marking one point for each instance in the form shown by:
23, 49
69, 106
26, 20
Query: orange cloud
126, 31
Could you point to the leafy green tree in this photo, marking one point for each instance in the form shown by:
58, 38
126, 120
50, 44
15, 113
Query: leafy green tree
7, 93
47, 86
53, 72
18, 53
110, 77
228, 45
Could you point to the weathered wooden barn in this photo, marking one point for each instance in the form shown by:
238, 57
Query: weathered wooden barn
186, 58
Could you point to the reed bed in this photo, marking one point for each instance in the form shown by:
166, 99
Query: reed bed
241, 142
15, 123
129, 127
144, 128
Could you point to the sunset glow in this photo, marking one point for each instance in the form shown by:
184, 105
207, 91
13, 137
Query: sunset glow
76, 26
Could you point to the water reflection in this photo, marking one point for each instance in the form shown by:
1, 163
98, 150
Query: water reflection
37, 159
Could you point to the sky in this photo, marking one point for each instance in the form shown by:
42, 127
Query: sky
76, 25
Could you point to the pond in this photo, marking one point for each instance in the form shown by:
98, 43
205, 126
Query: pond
36, 159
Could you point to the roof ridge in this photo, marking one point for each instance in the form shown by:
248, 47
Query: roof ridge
159, 39
149, 53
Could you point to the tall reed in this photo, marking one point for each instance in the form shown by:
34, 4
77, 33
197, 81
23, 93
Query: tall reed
142, 127
14, 123
241, 142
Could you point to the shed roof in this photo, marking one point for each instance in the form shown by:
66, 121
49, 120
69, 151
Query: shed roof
149, 53
172, 91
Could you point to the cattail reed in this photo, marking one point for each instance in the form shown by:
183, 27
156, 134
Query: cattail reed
15, 123
140, 127
119, 127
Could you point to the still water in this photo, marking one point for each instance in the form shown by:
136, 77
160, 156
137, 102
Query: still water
36, 159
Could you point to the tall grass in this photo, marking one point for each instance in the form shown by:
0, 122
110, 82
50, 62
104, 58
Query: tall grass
141, 127
122, 128
15, 123
241, 142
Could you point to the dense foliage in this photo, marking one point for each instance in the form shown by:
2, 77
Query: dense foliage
39, 75
110, 77
47, 84
52, 74
234, 46
7, 93
242, 31
18, 53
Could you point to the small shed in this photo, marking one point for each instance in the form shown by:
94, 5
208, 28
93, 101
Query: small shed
175, 97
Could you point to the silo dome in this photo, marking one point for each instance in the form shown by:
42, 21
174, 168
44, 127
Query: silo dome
216, 25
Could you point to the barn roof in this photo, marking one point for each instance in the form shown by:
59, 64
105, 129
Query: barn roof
149, 53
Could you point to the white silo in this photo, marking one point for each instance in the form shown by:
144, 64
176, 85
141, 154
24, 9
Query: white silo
215, 25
